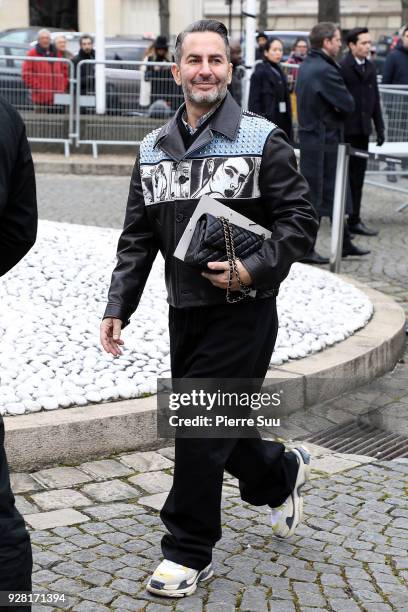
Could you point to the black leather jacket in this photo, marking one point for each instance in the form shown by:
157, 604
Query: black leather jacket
240, 159
18, 202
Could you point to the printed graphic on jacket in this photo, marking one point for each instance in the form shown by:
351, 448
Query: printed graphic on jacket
217, 177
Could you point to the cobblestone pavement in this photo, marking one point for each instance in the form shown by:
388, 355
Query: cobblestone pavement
96, 537
95, 526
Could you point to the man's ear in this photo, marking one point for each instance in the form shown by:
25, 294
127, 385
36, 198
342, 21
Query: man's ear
230, 67
175, 71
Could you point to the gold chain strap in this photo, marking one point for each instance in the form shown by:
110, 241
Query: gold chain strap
232, 262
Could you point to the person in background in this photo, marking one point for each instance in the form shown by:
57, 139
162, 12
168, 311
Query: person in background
298, 54
268, 92
396, 63
145, 86
261, 39
396, 73
86, 52
60, 44
299, 51
43, 78
238, 71
296, 57
360, 77
18, 230
163, 87
323, 105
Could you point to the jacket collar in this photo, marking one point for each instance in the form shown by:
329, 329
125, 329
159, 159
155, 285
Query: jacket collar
226, 121
327, 58
45, 52
400, 47
350, 61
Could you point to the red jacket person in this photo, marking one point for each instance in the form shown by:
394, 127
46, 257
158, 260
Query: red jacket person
45, 78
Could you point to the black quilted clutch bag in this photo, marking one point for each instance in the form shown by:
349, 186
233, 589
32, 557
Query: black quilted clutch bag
216, 239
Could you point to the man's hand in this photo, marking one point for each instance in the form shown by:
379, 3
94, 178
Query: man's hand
110, 336
220, 280
380, 139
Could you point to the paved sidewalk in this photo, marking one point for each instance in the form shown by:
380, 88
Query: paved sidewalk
96, 529
96, 537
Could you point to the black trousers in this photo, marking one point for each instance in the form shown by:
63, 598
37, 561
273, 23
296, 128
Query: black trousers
15, 547
357, 168
223, 341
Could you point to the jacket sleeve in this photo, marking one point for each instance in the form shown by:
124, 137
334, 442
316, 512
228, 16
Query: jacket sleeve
291, 216
332, 88
18, 203
255, 93
377, 113
28, 73
136, 252
389, 69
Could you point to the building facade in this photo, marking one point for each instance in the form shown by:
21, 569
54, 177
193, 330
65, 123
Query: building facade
126, 17
139, 17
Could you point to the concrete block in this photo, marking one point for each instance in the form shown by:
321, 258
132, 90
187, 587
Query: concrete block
155, 501
61, 498
112, 490
146, 462
153, 482
55, 518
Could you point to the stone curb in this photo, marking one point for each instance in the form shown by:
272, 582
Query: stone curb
80, 433
89, 168
84, 164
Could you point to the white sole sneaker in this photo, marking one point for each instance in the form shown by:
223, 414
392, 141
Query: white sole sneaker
173, 580
287, 517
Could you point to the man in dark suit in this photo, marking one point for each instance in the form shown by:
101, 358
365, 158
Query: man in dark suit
323, 103
360, 76
18, 230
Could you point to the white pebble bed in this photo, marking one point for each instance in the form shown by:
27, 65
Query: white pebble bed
52, 303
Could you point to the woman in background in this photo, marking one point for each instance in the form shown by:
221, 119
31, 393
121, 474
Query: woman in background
269, 93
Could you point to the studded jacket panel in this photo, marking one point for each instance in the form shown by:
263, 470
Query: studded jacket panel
243, 161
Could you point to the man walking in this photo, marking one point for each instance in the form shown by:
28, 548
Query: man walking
209, 338
360, 77
18, 229
323, 103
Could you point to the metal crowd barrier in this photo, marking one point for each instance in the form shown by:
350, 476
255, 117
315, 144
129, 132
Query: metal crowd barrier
340, 193
42, 90
394, 102
136, 97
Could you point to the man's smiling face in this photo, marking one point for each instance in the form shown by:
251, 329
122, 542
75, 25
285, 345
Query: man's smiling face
204, 71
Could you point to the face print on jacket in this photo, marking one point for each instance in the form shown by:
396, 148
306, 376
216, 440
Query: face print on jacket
218, 177
224, 177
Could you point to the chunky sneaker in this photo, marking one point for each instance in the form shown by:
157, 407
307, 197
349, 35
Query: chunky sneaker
287, 517
173, 580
